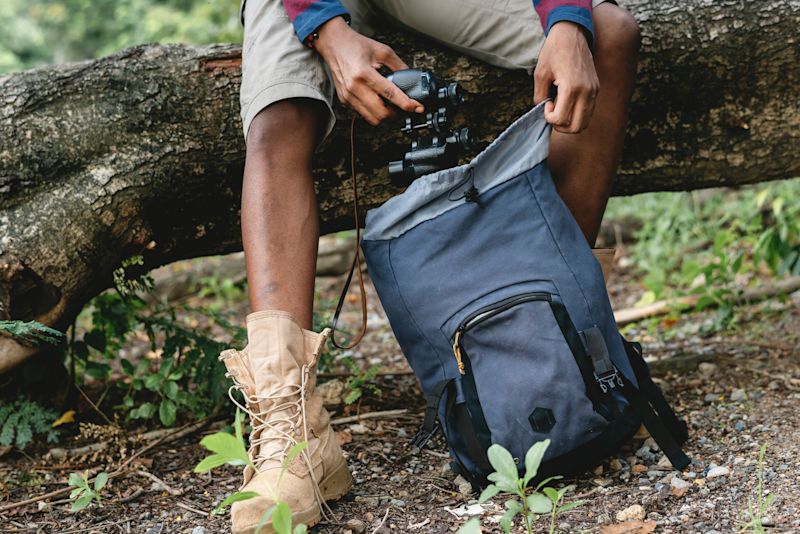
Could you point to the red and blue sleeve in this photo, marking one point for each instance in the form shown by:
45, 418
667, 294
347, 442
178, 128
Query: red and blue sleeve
577, 11
308, 15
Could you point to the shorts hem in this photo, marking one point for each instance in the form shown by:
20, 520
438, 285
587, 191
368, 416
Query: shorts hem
284, 90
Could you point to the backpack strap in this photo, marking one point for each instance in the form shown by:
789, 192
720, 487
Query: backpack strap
430, 425
652, 392
654, 410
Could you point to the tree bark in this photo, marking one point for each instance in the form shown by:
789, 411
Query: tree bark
142, 152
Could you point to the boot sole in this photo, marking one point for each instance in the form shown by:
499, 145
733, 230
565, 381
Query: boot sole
309, 517
337, 484
333, 487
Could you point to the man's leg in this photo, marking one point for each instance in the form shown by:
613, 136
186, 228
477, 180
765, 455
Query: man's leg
584, 165
280, 227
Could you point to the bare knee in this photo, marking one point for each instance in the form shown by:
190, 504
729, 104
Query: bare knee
617, 32
285, 125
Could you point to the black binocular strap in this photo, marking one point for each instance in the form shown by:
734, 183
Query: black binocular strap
653, 394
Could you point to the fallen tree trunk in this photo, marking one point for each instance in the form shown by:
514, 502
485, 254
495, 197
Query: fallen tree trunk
141, 152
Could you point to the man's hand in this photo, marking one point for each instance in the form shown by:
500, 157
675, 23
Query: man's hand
354, 61
566, 62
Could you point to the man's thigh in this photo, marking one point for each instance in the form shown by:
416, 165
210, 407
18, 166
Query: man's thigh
275, 64
505, 33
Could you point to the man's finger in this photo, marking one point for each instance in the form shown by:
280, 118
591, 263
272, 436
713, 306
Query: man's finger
541, 88
582, 114
375, 105
393, 94
391, 60
562, 113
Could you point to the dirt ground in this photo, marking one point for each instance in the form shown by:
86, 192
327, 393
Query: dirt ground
737, 391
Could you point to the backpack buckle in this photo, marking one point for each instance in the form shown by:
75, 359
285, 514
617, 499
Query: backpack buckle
423, 436
608, 380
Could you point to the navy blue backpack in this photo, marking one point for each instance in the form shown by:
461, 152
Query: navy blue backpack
502, 311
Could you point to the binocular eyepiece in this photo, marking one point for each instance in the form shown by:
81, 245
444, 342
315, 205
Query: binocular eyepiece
441, 150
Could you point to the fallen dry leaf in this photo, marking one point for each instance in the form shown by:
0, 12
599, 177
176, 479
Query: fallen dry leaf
344, 437
629, 527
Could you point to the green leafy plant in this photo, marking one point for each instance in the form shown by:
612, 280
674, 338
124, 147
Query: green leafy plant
757, 510
230, 449
22, 419
523, 500
85, 491
360, 381
182, 374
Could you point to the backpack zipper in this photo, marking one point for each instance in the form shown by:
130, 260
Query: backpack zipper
488, 312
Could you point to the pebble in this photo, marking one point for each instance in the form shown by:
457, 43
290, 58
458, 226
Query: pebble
400, 503
634, 512
679, 486
707, 369
615, 465
356, 525
767, 521
718, 471
198, 530
710, 397
463, 486
738, 395
739, 426
712, 532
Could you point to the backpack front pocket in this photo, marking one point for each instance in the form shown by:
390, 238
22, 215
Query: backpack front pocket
526, 344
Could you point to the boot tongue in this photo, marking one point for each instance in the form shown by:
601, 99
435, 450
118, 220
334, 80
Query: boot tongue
276, 351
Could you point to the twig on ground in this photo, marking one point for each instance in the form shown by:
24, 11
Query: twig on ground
191, 509
166, 487
663, 307
385, 517
138, 492
94, 406
370, 415
175, 435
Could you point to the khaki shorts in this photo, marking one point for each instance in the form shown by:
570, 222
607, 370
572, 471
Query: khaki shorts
276, 65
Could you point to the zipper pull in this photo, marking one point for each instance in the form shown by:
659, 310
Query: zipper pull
457, 351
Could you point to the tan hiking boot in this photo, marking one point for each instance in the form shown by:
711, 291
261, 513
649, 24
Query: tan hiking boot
276, 373
605, 257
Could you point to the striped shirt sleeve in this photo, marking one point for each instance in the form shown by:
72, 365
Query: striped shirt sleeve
577, 11
308, 15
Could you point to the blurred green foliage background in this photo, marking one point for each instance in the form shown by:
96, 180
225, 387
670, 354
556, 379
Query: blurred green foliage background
38, 32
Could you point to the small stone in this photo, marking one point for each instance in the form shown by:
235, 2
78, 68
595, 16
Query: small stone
767, 521
718, 471
664, 463
679, 487
711, 397
598, 470
738, 395
739, 426
691, 474
639, 468
371, 502
356, 525
634, 512
198, 530
707, 369
738, 460
615, 465
400, 503
712, 532
463, 486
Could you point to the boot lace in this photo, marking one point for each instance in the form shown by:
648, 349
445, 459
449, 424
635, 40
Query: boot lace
267, 426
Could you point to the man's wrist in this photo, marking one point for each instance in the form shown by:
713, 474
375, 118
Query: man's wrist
567, 26
328, 33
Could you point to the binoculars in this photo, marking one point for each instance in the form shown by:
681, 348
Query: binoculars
441, 149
